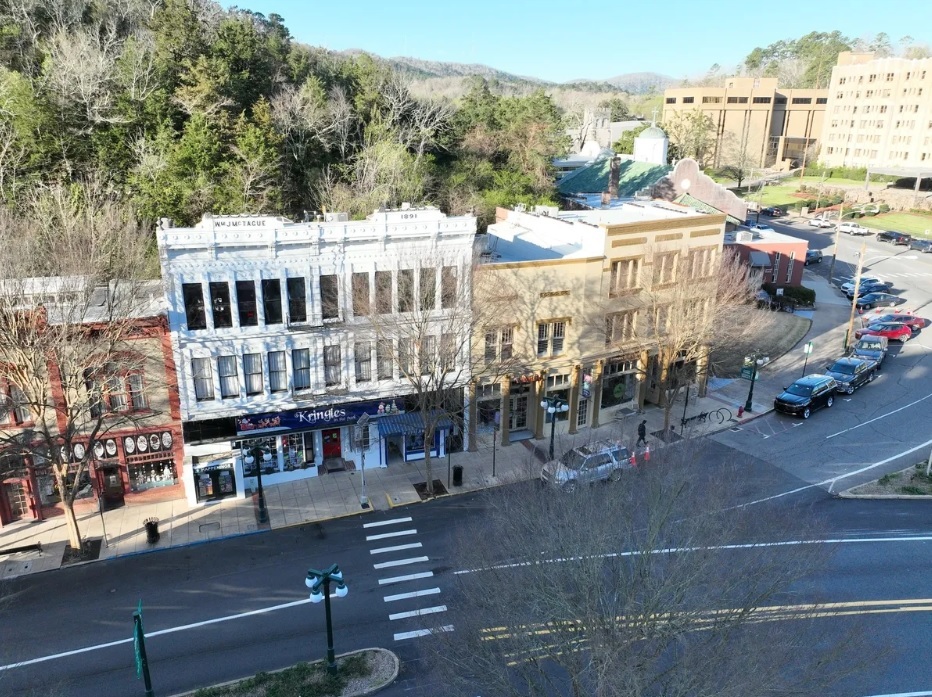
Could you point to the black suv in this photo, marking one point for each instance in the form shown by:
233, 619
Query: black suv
894, 237
806, 395
852, 372
873, 347
813, 256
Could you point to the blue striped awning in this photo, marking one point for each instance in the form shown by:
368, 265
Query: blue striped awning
409, 423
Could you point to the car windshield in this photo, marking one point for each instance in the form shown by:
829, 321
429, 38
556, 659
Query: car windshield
871, 346
799, 390
573, 459
843, 368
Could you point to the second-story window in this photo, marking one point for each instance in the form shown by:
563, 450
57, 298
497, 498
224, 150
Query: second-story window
428, 289
332, 365
363, 354
499, 343
447, 287
272, 300
195, 316
329, 297
405, 290
550, 338
383, 359
360, 294
14, 407
297, 300
252, 371
278, 372
220, 304
246, 303
203, 379
383, 292
229, 376
664, 268
625, 275
301, 365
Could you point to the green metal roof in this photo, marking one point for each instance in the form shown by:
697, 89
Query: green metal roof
593, 178
703, 207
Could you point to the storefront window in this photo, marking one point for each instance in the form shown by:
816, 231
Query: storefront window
294, 452
619, 383
268, 446
562, 395
149, 475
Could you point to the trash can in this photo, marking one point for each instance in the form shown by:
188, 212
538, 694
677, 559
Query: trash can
457, 475
152, 530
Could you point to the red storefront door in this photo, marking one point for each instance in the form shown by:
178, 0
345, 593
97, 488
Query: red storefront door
331, 438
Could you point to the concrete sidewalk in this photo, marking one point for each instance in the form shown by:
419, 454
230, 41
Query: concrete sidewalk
338, 494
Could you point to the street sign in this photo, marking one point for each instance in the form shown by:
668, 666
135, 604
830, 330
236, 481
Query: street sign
807, 349
747, 372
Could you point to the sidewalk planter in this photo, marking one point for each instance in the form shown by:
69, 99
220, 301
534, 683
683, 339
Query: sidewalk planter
457, 475
152, 530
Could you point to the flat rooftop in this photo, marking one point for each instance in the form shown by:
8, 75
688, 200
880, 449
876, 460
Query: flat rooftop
765, 236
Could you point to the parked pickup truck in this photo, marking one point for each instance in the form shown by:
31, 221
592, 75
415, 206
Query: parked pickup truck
851, 372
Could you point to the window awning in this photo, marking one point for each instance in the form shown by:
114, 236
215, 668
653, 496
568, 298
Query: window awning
759, 259
410, 423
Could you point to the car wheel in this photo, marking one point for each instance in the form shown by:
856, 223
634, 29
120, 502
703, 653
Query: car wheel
871, 375
831, 400
614, 476
849, 390
806, 413
570, 486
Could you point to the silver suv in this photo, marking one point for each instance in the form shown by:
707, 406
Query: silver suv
586, 464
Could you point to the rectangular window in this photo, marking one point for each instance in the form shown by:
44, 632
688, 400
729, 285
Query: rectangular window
780, 100
711, 100
582, 416
116, 394
363, 354
220, 303
195, 316
406, 290
252, 370
619, 327
272, 300
278, 371
701, 262
428, 294
301, 365
329, 297
802, 100
661, 319
405, 357
297, 299
671, 100
625, 275
203, 379
447, 354
761, 100
246, 303
137, 392
688, 100
428, 355
664, 268
821, 100
383, 358
229, 377
550, 337
447, 287
789, 267
360, 294
332, 366
383, 292
499, 344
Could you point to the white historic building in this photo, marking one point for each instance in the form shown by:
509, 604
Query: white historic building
272, 346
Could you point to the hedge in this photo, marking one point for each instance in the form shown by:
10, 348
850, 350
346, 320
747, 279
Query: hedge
800, 294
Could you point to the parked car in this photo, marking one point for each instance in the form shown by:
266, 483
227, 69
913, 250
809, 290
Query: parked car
913, 321
852, 372
894, 237
853, 229
773, 211
813, 256
921, 245
869, 287
847, 284
869, 300
760, 227
894, 331
599, 461
806, 395
821, 222
872, 347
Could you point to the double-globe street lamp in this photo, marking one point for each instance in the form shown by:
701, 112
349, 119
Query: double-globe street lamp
259, 457
553, 406
754, 361
319, 583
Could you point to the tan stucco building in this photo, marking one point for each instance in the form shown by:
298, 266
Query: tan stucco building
879, 114
579, 278
751, 115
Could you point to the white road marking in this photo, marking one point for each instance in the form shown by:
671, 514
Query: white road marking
422, 632
883, 416
396, 548
385, 535
418, 613
906, 694
393, 521
399, 562
409, 577
412, 594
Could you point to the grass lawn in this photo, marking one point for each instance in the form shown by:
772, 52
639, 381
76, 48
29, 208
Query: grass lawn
911, 481
782, 332
786, 195
915, 224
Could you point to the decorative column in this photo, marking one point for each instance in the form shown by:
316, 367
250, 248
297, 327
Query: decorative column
506, 411
574, 399
597, 392
702, 372
539, 414
471, 410
643, 367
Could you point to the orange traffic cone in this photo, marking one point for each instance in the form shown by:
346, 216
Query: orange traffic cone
634, 460
646, 453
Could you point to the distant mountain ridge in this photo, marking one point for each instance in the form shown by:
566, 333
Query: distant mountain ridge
418, 69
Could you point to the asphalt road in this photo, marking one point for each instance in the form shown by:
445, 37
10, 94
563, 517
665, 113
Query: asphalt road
186, 591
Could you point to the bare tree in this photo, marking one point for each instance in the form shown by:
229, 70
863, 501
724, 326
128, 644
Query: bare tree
69, 300
736, 159
654, 585
692, 133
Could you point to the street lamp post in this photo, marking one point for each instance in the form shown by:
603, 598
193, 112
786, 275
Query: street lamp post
497, 425
807, 349
361, 436
319, 583
259, 456
554, 405
756, 362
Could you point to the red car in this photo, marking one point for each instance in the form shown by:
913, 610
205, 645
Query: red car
908, 320
894, 331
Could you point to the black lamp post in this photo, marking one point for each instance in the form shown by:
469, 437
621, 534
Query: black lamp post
553, 405
756, 361
319, 583
258, 456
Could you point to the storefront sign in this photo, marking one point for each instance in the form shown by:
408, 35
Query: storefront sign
304, 419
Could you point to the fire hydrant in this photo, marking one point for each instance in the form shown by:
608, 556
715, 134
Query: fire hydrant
740, 412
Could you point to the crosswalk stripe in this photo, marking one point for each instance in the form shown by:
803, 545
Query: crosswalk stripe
393, 521
399, 562
409, 577
385, 535
396, 548
422, 632
412, 594
418, 613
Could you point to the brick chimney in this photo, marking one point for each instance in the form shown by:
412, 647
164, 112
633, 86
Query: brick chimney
614, 176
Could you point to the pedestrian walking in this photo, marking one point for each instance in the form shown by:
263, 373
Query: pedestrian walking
642, 433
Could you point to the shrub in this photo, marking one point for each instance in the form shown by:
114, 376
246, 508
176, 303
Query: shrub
887, 479
884, 208
914, 490
805, 296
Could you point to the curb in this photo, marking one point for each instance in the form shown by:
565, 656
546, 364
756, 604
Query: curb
884, 497
395, 670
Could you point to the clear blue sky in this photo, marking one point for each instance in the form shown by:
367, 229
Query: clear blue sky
561, 41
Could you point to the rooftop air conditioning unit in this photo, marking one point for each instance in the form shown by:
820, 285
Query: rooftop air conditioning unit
336, 217
744, 236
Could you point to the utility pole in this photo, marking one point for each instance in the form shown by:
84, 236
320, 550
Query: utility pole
831, 269
854, 301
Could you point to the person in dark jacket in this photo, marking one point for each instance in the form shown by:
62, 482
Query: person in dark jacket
642, 433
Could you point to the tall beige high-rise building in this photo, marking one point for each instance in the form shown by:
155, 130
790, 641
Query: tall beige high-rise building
756, 123
879, 114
